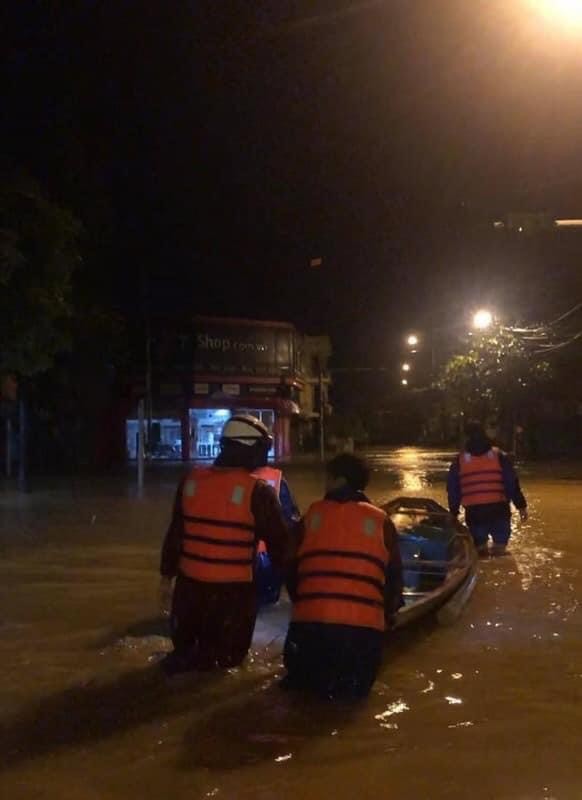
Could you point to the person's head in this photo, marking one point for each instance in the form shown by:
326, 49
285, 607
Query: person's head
245, 442
477, 440
347, 470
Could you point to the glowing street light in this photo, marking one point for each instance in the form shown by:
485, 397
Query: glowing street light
412, 340
404, 382
405, 367
482, 319
568, 13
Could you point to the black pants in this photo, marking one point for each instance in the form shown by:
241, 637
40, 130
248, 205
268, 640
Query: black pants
332, 660
212, 624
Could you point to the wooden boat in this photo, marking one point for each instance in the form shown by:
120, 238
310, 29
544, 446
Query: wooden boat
439, 560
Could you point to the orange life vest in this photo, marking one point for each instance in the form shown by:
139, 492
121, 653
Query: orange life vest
342, 566
273, 477
218, 544
481, 479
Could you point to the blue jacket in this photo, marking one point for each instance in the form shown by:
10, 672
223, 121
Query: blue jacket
510, 484
288, 504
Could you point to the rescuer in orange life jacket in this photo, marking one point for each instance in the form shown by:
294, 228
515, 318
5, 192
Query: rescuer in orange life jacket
483, 480
346, 585
220, 515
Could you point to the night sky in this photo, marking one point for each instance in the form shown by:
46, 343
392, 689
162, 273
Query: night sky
218, 146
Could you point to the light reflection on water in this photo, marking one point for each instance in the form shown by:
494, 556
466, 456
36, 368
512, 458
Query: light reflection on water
413, 470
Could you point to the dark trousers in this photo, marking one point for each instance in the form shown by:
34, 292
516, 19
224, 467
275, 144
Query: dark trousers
332, 660
212, 624
491, 519
499, 529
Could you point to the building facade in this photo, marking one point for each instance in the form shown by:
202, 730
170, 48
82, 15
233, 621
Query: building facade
204, 370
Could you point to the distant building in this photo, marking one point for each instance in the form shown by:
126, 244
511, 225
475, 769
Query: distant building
207, 368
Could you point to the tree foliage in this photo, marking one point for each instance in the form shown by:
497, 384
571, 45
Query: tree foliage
496, 376
39, 252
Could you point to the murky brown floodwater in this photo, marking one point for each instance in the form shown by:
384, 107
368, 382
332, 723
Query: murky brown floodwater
489, 708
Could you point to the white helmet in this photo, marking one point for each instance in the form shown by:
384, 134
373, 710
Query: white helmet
246, 429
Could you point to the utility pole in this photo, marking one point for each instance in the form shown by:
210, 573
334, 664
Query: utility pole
145, 300
23, 440
8, 447
321, 415
140, 445
148, 381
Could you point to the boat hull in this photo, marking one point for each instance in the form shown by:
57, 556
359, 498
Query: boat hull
451, 575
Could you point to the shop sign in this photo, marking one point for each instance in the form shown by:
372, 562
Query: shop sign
225, 348
231, 388
201, 388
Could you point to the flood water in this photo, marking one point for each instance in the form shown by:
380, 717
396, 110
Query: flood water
488, 708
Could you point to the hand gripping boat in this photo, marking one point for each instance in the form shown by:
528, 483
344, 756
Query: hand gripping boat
438, 559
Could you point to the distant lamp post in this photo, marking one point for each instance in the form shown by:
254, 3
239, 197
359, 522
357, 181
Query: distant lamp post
412, 340
404, 382
482, 319
405, 367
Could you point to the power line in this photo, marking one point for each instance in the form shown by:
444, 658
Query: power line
317, 20
569, 313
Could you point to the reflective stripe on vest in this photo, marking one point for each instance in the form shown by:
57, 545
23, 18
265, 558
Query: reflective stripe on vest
481, 479
273, 477
218, 545
342, 565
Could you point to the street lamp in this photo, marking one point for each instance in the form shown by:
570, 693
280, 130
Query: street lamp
412, 340
565, 12
404, 382
405, 367
482, 319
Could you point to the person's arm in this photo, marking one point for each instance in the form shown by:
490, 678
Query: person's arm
512, 486
173, 540
288, 504
454, 488
270, 525
291, 569
394, 578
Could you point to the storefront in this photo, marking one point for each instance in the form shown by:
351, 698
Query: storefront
201, 376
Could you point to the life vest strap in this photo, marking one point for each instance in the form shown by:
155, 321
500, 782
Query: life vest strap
325, 573
217, 542
493, 470
209, 560
350, 598
471, 481
219, 523
494, 491
343, 554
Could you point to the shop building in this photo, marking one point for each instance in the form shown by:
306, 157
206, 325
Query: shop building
206, 369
